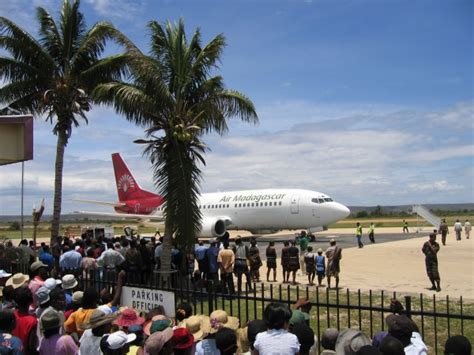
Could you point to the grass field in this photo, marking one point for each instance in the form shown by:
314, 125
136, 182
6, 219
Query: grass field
44, 227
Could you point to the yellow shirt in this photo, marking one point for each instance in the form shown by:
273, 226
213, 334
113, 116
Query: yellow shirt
76, 319
226, 258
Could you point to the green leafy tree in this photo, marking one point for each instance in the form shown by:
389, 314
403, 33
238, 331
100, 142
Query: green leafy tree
54, 75
175, 97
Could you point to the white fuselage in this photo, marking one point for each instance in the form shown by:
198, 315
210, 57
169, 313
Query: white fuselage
271, 209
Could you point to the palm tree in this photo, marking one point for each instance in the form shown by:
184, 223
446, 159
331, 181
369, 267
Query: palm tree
176, 99
55, 74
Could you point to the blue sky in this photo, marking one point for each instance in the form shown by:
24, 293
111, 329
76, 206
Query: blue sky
368, 101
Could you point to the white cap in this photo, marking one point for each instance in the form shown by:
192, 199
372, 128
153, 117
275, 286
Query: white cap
4, 274
119, 339
51, 283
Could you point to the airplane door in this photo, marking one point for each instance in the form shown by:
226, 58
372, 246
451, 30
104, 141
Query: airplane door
294, 204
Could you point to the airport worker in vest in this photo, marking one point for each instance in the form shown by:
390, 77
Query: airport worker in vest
431, 249
359, 235
444, 230
372, 232
467, 228
458, 229
405, 226
303, 242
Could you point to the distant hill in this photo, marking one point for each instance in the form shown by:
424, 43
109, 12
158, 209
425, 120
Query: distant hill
447, 207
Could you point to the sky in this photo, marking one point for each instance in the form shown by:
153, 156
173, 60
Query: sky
368, 101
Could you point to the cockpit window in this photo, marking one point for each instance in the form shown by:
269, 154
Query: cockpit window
320, 200
328, 199
315, 200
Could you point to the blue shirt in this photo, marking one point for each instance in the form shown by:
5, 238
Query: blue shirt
200, 252
10, 345
212, 253
158, 251
70, 260
47, 259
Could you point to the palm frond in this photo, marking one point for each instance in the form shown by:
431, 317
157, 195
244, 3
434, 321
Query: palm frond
72, 30
50, 36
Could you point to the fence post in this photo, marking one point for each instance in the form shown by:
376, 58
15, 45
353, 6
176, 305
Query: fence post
408, 306
210, 298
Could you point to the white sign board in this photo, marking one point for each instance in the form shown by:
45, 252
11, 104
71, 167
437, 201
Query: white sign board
145, 299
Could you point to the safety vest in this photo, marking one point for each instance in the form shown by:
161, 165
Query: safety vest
359, 230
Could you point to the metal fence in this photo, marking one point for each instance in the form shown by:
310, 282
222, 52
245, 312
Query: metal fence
438, 318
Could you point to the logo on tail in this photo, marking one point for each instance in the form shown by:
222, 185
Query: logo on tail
125, 182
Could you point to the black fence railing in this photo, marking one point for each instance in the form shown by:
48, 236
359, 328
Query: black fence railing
437, 317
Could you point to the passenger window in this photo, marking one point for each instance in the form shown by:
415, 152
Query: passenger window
280, 203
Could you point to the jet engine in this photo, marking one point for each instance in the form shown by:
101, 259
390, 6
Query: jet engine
212, 227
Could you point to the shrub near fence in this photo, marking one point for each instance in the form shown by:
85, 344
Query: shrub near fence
438, 318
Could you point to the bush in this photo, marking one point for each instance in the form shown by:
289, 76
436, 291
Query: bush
14, 226
362, 214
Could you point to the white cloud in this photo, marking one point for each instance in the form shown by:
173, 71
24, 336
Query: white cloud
121, 9
441, 185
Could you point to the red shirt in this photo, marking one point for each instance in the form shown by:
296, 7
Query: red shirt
24, 325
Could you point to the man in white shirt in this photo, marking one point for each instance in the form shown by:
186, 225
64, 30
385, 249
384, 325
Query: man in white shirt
458, 229
467, 228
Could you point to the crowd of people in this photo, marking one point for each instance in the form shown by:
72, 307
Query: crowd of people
44, 315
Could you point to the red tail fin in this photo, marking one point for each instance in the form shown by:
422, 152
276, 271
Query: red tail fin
127, 186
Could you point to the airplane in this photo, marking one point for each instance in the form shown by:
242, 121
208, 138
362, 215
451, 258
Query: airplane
262, 211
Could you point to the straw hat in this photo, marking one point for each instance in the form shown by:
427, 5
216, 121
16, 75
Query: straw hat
97, 319
157, 340
37, 265
128, 317
220, 319
17, 280
350, 341
199, 326
69, 281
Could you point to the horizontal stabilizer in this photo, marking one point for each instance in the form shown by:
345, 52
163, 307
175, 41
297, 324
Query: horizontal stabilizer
140, 217
104, 203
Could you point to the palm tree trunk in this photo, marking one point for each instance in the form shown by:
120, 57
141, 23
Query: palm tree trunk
58, 184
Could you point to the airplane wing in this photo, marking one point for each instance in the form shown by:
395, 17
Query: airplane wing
140, 217
105, 203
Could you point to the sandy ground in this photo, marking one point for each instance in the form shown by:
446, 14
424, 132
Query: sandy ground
400, 266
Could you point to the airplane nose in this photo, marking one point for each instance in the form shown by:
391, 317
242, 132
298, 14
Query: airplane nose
342, 211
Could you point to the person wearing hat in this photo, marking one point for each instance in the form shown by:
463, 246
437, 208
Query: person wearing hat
127, 318
350, 341
17, 280
116, 343
53, 342
334, 255
55, 303
42, 297
39, 272
431, 249
320, 266
9, 344
220, 319
157, 324
159, 342
98, 325
182, 341
51, 283
69, 283
198, 325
